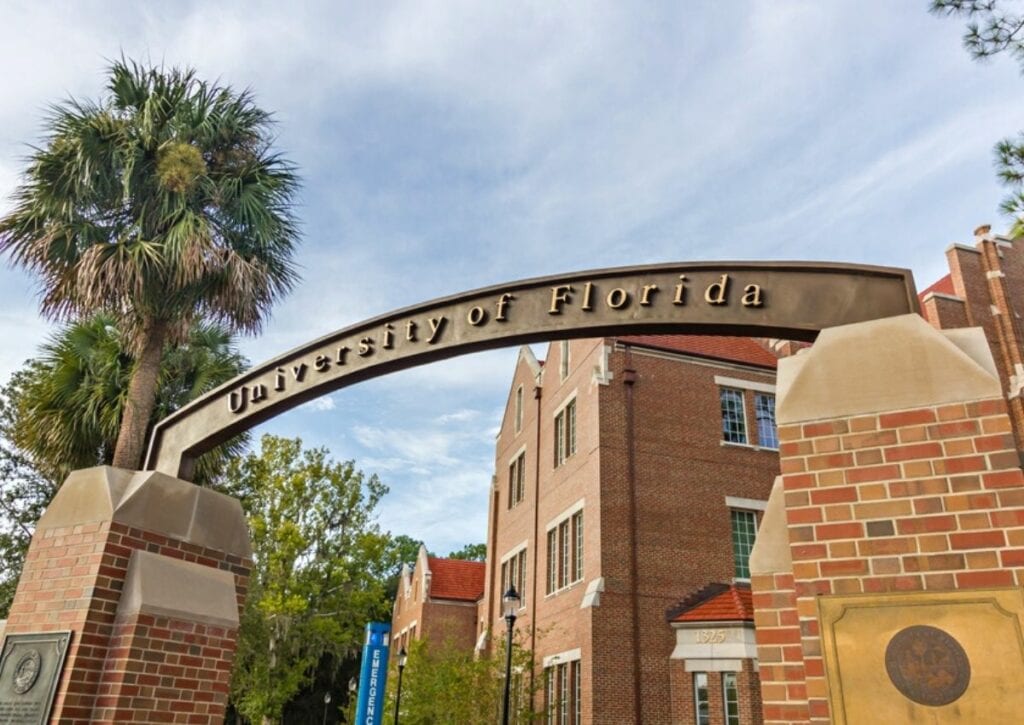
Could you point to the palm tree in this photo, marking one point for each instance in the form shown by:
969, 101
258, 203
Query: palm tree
160, 204
67, 406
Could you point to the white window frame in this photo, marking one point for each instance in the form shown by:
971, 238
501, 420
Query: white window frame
518, 409
757, 421
512, 501
562, 439
512, 554
571, 571
564, 710
743, 407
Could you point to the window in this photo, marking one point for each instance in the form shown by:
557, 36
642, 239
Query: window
565, 432
731, 698
563, 703
565, 552
563, 363
519, 409
577, 692
513, 574
734, 418
764, 411
700, 698
517, 480
744, 531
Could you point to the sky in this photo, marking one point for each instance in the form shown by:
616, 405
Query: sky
446, 146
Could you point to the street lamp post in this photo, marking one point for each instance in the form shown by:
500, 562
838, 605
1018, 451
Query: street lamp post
401, 666
327, 701
510, 603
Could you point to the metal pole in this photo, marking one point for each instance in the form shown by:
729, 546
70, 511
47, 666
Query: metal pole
327, 701
508, 670
398, 698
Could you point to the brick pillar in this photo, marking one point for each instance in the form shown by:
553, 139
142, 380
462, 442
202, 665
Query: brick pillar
148, 572
900, 474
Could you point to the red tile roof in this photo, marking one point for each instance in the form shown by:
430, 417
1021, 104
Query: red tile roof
943, 286
732, 604
735, 349
456, 579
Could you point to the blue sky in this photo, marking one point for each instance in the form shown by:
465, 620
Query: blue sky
450, 145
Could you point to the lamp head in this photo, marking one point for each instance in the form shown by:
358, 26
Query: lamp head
402, 657
510, 603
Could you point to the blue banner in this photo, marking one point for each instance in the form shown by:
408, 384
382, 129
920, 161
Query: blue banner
373, 674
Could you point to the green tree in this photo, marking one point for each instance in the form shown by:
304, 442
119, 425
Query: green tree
161, 203
470, 552
321, 566
24, 494
71, 399
446, 685
991, 30
61, 411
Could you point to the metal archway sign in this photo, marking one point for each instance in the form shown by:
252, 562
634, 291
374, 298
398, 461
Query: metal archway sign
790, 300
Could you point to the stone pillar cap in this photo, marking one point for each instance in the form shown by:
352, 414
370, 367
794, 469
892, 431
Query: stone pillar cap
895, 363
151, 501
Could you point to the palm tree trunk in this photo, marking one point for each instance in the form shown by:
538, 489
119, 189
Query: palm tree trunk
131, 438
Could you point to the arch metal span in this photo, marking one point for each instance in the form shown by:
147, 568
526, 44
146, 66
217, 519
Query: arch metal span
792, 300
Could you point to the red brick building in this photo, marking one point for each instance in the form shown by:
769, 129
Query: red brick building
985, 288
437, 599
631, 473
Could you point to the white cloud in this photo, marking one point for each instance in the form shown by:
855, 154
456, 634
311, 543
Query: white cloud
459, 416
321, 405
449, 145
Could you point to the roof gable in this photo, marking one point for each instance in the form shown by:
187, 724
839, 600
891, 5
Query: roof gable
456, 579
942, 286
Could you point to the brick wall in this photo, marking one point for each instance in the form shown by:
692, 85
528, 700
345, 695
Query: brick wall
924, 499
683, 474
923, 496
165, 670
73, 579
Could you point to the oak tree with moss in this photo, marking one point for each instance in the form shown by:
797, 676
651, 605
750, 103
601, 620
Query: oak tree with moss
161, 204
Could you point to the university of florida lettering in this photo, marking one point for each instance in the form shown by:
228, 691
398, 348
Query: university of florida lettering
607, 299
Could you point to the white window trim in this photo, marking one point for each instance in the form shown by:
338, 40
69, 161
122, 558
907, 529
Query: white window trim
568, 399
757, 422
750, 504
514, 551
521, 451
726, 382
512, 503
563, 361
570, 655
518, 401
408, 627
746, 423
553, 523
512, 554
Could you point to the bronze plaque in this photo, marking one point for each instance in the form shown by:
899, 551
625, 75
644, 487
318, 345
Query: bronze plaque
927, 665
30, 667
923, 657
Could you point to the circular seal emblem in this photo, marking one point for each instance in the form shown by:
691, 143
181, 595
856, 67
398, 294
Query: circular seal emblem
26, 672
927, 665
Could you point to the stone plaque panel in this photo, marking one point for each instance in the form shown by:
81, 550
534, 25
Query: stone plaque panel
30, 667
928, 657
